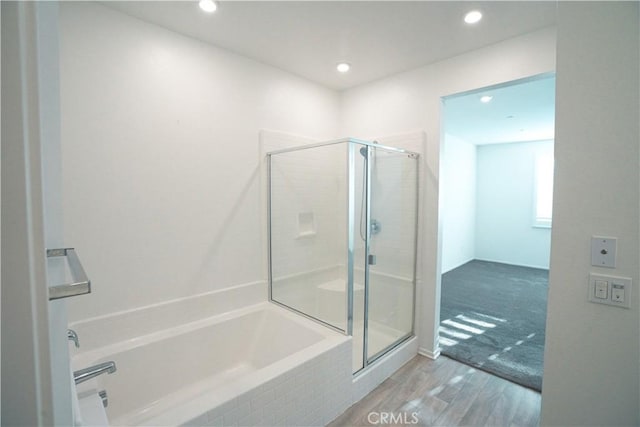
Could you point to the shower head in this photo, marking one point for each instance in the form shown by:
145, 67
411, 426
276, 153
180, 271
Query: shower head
363, 151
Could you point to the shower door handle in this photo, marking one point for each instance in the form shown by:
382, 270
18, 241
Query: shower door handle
80, 284
372, 260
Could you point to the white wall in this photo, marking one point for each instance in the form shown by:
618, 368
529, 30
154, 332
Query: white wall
592, 355
27, 388
161, 159
505, 205
458, 202
412, 100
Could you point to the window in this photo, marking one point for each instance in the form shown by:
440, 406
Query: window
543, 190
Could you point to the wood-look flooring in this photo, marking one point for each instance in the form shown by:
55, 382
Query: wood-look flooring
444, 392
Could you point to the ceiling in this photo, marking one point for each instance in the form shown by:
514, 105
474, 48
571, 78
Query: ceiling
378, 38
517, 112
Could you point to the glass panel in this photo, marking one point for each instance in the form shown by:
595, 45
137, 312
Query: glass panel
330, 208
393, 192
308, 229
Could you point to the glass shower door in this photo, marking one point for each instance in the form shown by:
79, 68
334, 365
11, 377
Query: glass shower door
391, 255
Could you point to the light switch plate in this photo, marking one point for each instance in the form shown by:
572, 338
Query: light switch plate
602, 289
603, 251
617, 287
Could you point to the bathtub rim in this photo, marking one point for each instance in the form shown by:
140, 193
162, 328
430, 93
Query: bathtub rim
179, 412
101, 352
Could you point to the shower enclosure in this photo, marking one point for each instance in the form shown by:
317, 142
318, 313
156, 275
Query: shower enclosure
342, 223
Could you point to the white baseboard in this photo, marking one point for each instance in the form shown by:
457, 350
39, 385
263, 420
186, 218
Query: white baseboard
433, 355
457, 264
520, 264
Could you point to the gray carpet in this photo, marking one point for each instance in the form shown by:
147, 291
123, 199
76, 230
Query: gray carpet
492, 316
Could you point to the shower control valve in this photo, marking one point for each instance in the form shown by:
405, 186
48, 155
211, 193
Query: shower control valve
376, 227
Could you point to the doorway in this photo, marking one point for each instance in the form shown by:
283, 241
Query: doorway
496, 212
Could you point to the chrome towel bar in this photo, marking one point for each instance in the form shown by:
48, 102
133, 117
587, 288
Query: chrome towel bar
93, 371
81, 284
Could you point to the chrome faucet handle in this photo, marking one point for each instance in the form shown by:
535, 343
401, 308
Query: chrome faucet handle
72, 336
104, 397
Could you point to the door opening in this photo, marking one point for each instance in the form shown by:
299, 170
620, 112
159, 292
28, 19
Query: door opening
496, 193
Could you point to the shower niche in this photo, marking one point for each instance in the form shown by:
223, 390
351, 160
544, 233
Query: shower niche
342, 223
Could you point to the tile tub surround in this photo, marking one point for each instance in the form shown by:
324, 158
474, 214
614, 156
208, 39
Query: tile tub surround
259, 365
366, 381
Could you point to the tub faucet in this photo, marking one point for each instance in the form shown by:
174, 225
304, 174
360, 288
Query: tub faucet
86, 374
72, 336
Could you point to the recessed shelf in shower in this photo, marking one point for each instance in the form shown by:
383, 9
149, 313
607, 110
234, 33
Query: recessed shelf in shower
306, 225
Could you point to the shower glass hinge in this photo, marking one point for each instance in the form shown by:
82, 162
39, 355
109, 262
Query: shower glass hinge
372, 260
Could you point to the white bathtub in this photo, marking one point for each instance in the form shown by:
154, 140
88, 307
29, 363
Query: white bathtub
259, 365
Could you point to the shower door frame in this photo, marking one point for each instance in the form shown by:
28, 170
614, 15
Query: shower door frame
416, 156
352, 143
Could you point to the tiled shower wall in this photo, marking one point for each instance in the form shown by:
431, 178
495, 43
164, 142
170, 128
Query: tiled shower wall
308, 210
309, 263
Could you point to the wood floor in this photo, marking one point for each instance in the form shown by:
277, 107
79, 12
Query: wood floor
444, 392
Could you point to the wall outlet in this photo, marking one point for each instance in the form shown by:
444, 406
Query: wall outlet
610, 290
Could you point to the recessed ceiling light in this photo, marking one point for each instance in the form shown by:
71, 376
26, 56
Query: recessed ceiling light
209, 6
343, 67
473, 17
486, 98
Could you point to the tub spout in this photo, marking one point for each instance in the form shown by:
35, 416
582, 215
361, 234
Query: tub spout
86, 374
72, 336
